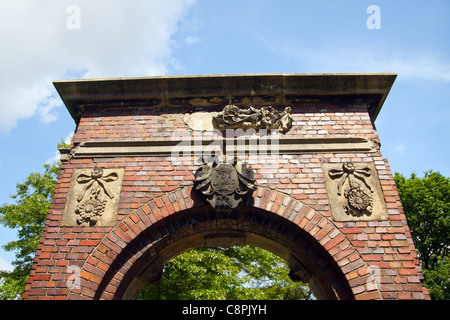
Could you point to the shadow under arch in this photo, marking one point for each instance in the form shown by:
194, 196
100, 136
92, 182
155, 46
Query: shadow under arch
141, 259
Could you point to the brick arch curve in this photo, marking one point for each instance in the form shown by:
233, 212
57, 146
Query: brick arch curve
311, 243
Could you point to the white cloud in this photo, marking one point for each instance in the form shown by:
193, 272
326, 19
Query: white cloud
57, 155
418, 65
5, 265
114, 39
191, 40
352, 57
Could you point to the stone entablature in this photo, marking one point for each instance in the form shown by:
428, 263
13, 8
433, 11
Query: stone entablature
359, 89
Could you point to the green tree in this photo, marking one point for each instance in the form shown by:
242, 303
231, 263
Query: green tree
437, 280
236, 273
426, 202
27, 215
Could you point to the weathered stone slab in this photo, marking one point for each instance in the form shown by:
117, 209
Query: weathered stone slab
200, 121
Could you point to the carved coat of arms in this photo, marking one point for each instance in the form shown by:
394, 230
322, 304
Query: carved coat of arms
224, 184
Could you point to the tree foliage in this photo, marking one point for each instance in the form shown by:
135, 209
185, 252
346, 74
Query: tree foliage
437, 280
236, 273
426, 202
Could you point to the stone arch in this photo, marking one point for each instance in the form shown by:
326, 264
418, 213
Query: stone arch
135, 250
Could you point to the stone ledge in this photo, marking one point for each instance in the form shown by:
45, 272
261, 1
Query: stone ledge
190, 147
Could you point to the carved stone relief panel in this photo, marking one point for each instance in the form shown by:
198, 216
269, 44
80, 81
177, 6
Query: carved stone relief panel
93, 197
354, 192
233, 117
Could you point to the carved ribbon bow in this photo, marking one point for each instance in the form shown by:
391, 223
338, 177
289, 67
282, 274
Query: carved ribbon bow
96, 176
349, 171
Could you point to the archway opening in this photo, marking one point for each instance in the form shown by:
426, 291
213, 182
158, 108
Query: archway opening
142, 260
235, 273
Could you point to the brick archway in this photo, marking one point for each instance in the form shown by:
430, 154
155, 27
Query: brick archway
137, 248
326, 199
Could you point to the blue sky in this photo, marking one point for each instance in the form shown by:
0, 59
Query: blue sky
45, 40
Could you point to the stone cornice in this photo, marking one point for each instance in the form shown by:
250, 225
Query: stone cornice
187, 147
361, 89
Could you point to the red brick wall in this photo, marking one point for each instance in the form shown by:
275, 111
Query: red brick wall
155, 188
159, 123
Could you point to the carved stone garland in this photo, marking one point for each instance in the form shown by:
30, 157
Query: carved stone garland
233, 117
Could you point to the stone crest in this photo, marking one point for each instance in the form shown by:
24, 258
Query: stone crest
233, 117
224, 184
93, 197
354, 192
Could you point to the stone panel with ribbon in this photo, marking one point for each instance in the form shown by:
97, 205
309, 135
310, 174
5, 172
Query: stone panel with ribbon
93, 197
354, 192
